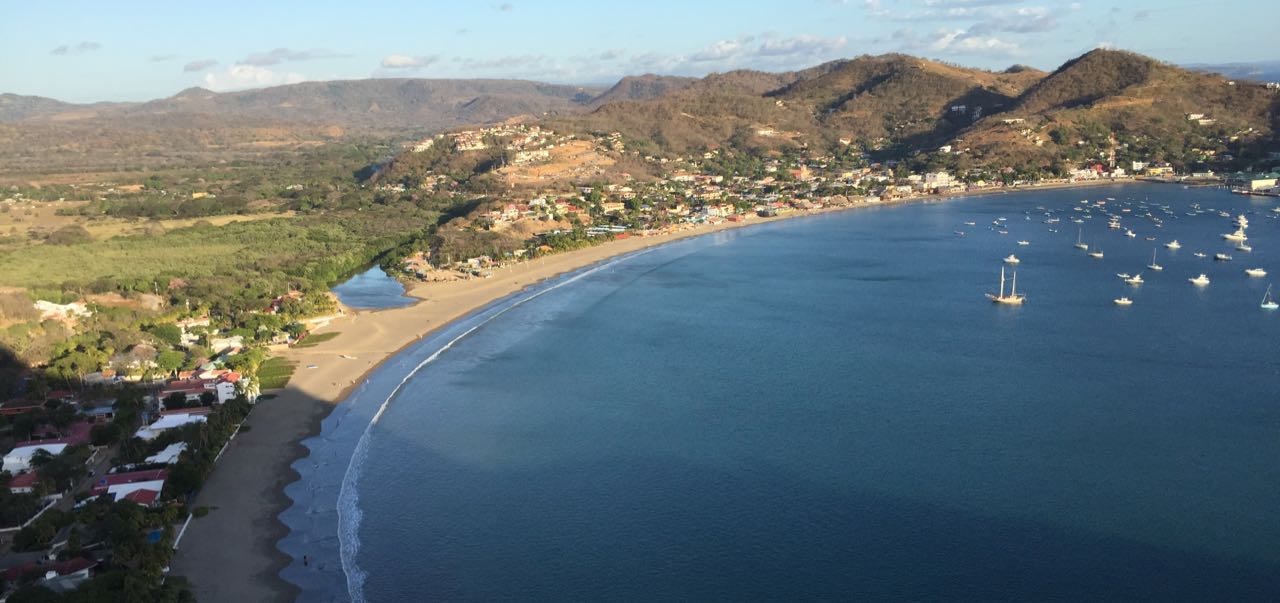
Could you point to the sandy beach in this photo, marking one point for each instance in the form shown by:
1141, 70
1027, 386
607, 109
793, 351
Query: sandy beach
230, 554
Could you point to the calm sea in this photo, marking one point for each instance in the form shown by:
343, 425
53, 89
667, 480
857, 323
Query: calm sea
372, 289
828, 408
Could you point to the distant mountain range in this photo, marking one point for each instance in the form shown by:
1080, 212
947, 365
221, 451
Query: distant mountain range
896, 102
199, 124
1265, 71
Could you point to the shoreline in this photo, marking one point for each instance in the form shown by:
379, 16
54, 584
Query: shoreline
246, 490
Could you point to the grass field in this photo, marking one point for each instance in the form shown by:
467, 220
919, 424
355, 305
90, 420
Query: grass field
275, 373
314, 340
21, 219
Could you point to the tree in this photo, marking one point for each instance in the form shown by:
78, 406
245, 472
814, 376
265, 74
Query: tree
167, 332
175, 400
208, 399
105, 434
70, 235
170, 361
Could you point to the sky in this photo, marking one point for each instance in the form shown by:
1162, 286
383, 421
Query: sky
135, 50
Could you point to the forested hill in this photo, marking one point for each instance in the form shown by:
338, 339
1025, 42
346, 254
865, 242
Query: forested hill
899, 105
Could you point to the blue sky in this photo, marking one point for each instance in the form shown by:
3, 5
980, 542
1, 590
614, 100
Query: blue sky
138, 50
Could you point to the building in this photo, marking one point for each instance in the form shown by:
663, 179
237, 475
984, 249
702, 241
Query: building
167, 422
168, 456
142, 487
19, 459
23, 483
220, 383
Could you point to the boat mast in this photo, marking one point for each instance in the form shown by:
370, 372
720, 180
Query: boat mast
1014, 292
1001, 282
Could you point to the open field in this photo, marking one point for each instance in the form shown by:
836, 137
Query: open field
22, 219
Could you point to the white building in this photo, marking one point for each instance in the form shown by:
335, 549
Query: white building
167, 422
19, 459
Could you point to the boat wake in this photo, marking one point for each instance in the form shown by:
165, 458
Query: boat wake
349, 514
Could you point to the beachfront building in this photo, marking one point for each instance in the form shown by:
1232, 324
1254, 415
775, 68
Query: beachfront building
142, 487
168, 456
167, 422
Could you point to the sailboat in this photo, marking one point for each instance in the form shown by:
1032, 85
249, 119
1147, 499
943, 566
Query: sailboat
1096, 253
1153, 265
1268, 302
1238, 235
1012, 298
1079, 244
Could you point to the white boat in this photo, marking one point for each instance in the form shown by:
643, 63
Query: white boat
1200, 254
1079, 244
1242, 221
1024, 243
1123, 301
1199, 281
1243, 247
1268, 302
1012, 259
1012, 299
1174, 244
1153, 265
1134, 280
1238, 235
1256, 272
1129, 233
970, 223
1123, 275
1221, 257
1096, 253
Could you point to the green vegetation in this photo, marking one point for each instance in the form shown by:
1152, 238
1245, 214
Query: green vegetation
317, 339
274, 373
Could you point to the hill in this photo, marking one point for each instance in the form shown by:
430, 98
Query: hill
1104, 105
642, 87
201, 125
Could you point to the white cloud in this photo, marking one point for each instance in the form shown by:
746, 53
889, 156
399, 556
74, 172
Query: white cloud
239, 77
407, 62
280, 55
199, 65
956, 42
719, 51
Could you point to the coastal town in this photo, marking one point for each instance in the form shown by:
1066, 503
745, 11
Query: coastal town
100, 434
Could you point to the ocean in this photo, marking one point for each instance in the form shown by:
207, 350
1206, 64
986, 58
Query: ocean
828, 408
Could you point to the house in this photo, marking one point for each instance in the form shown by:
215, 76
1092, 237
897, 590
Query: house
23, 483
142, 487
59, 576
221, 383
18, 406
168, 456
19, 459
167, 422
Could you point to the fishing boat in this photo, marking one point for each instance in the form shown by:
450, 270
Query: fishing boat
1079, 243
1153, 265
1199, 281
1221, 257
1200, 254
1268, 302
1134, 280
1012, 299
1174, 244
1129, 233
1123, 301
1256, 272
1012, 259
